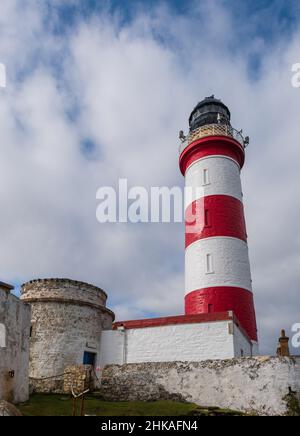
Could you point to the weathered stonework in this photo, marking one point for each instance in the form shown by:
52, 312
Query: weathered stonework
7, 409
67, 320
258, 385
78, 378
14, 347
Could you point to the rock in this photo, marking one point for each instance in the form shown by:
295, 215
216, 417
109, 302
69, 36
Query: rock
7, 409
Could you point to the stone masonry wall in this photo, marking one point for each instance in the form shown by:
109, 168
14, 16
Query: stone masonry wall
78, 378
14, 348
57, 289
256, 385
67, 320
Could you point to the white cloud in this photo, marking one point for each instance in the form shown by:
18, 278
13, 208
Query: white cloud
134, 88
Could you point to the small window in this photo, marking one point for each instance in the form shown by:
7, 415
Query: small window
2, 336
209, 264
32, 331
210, 308
206, 177
206, 218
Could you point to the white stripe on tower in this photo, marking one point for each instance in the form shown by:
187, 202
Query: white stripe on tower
218, 261
216, 175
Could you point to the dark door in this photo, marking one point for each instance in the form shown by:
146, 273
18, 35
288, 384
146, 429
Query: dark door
89, 358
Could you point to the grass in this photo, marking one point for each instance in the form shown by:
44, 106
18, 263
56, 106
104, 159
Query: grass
60, 405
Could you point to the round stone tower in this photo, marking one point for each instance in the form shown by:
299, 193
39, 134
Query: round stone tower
66, 324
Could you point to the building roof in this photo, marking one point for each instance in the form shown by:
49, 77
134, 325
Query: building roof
209, 101
6, 287
63, 280
181, 319
171, 320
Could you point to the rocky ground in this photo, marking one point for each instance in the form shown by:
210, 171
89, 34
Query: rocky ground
7, 409
62, 405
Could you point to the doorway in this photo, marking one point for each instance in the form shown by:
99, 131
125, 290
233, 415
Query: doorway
89, 358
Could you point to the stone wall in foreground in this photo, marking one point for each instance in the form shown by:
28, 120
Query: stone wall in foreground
262, 385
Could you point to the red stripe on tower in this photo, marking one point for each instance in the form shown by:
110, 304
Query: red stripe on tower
238, 300
214, 215
217, 270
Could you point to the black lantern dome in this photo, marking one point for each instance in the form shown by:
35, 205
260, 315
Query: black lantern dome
209, 111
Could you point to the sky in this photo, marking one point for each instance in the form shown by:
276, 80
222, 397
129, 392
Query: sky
97, 91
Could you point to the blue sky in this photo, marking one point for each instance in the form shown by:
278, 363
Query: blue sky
268, 18
98, 91
269, 21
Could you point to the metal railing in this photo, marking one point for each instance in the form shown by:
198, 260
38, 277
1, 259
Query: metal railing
212, 130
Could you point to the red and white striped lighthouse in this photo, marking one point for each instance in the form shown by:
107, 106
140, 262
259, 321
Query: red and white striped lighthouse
217, 268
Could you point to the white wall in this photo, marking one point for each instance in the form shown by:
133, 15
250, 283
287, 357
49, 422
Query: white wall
255, 349
224, 177
14, 348
251, 384
112, 349
241, 343
230, 264
2, 336
183, 342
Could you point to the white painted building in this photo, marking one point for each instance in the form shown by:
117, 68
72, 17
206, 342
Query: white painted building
180, 338
14, 346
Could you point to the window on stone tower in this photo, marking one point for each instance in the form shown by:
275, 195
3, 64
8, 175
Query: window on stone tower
205, 177
32, 330
209, 264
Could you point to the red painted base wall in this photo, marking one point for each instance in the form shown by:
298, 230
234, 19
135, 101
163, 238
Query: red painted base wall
222, 299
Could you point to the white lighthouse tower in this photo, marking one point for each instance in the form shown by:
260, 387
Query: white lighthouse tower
217, 269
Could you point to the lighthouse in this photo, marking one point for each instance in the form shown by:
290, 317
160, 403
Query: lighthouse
219, 320
217, 267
